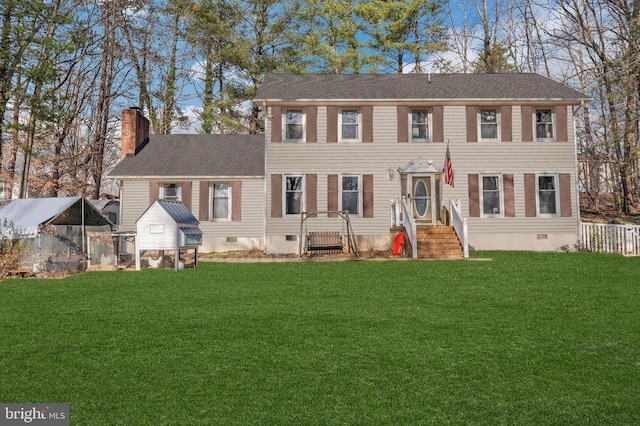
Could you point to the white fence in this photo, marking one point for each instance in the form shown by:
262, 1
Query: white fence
605, 238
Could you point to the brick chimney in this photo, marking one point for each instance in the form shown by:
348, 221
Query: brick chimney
135, 131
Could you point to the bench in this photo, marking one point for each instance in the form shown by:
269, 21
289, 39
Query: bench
324, 242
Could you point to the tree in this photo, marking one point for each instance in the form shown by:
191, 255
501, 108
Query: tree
403, 32
327, 32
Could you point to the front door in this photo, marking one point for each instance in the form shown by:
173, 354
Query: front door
423, 199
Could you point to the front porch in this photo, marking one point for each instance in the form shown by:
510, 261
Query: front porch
430, 229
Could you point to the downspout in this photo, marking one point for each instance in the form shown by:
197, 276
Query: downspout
577, 171
120, 209
264, 182
84, 231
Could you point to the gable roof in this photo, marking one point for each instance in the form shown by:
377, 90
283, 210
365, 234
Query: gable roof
195, 155
27, 213
317, 87
176, 210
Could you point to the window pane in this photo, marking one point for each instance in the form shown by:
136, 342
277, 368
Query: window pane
221, 190
491, 202
220, 208
220, 201
490, 183
488, 131
544, 124
350, 202
547, 194
294, 183
546, 182
548, 202
349, 117
349, 131
419, 125
294, 127
293, 196
170, 191
294, 131
350, 194
349, 183
490, 195
294, 202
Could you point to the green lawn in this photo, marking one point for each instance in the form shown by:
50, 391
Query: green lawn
526, 338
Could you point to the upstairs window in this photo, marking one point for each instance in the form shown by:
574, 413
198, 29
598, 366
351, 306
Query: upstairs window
294, 125
489, 124
547, 195
220, 196
420, 125
544, 124
349, 125
293, 194
170, 192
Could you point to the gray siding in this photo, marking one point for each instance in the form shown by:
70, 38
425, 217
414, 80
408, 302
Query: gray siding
135, 199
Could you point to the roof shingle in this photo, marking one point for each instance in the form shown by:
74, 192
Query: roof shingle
196, 155
290, 87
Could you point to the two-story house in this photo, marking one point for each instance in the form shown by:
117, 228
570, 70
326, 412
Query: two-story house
363, 143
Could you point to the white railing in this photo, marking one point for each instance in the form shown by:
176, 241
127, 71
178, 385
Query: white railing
607, 238
459, 224
410, 226
401, 216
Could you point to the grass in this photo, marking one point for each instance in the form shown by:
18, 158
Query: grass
528, 338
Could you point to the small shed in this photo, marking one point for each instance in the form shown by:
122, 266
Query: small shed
167, 226
56, 232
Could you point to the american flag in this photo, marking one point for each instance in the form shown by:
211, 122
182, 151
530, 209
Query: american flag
448, 169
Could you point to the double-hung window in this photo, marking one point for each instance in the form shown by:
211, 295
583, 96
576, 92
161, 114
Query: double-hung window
544, 124
350, 190
420, 130
349, 125
547, 195
293, 194
294, 125
220, 199
491, 195
170, 192
489, 129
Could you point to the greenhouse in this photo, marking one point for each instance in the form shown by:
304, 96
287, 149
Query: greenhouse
59, 234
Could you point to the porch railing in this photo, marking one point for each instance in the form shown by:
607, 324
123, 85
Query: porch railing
401, 216
459, 224
608, 238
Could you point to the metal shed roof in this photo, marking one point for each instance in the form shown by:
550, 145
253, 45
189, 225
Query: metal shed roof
27, 213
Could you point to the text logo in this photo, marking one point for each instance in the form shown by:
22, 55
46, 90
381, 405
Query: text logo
34, 414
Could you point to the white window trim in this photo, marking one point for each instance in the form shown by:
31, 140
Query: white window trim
284, 125
284, 194
553, 125
498, 126
500, 195
179, 190
557, 195
230, 203
359, 124
429, 112
360, 193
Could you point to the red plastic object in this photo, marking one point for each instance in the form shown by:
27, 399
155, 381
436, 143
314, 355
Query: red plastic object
398, 244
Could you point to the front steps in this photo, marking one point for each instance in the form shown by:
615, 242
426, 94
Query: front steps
438, 242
